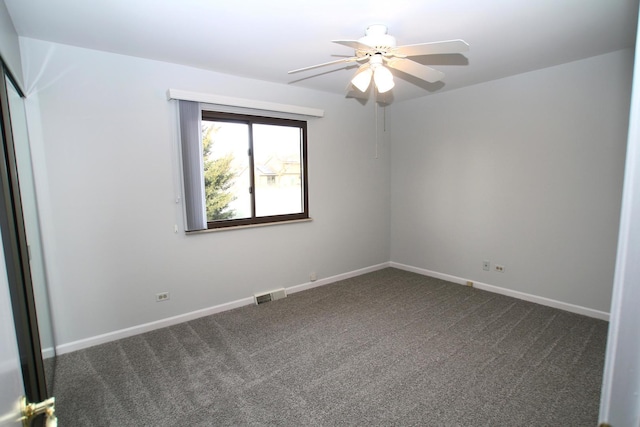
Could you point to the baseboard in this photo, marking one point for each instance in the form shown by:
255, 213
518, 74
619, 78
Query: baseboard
504, 291
336, 278
147, 327
48, 353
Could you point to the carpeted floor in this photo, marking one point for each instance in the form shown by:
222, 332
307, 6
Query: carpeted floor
386, 348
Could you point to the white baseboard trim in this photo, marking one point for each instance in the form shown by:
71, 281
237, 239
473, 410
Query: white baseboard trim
147, 327
336, 278
48, 353
508, 292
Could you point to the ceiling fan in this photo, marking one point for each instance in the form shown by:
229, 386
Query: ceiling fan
377, 52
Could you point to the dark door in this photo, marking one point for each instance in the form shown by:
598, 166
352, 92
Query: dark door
14, 243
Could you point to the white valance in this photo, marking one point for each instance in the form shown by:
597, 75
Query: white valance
206, 98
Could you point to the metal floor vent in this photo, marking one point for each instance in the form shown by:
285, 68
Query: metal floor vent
270, 296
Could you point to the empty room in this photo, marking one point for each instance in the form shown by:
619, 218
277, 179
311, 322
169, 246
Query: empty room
330, 213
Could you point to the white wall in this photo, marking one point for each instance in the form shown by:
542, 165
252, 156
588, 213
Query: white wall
9, 47
524, 171
104, 141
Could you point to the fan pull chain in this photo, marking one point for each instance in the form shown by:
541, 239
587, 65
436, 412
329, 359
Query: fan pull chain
376, 108
384, 119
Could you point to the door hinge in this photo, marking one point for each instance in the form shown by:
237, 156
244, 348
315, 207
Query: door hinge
32, 410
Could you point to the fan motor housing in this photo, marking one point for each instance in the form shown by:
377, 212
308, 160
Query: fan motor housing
376, 36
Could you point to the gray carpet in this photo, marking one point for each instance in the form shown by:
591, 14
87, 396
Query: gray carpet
386, 348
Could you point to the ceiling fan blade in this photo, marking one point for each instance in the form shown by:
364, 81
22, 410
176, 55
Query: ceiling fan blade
337, 61
417, 70
449, 46
354, 44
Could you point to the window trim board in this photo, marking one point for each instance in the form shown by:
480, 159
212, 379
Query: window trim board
208, 98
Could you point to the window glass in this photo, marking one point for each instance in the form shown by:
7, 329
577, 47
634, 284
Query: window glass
277, 170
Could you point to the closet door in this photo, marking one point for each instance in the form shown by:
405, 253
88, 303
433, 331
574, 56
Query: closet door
12, 388
16, 254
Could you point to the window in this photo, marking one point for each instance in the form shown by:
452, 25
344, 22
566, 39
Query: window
254, 169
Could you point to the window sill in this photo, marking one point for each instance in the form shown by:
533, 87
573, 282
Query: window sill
239, 227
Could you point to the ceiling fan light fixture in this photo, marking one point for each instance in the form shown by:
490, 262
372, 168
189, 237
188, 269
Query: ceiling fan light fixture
378, 54
383, 79
362, 79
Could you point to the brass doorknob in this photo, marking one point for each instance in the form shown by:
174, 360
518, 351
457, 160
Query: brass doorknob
32, 410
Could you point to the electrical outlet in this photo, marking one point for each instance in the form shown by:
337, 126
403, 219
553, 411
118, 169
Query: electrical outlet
486, 265
500, 268
312, 276
162, 296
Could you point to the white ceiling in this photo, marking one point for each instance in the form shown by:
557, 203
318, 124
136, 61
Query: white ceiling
263, 39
